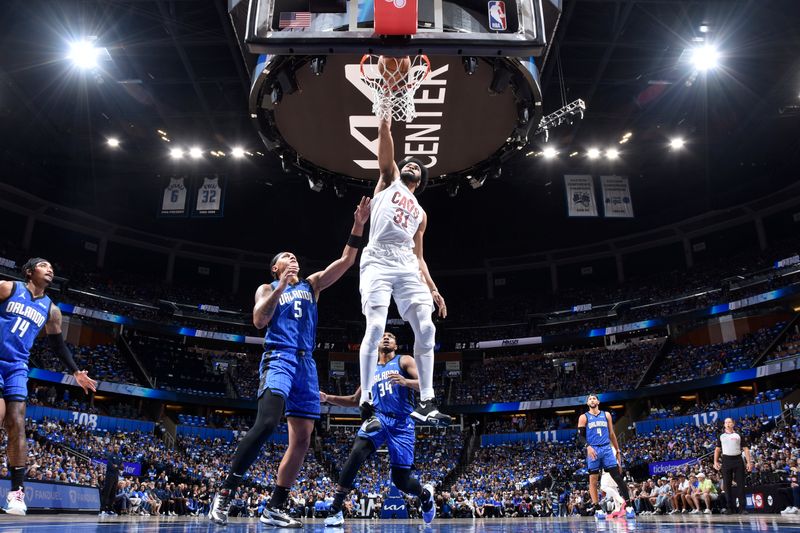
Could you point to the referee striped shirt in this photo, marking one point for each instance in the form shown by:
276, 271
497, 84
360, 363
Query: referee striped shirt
732, 444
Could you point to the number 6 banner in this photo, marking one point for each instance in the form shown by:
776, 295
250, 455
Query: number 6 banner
173, 201
210, 197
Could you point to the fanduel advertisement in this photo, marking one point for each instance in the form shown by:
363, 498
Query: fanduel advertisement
56, 496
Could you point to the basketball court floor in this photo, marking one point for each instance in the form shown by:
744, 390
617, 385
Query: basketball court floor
676, 524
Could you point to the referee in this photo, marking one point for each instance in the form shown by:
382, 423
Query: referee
731, 445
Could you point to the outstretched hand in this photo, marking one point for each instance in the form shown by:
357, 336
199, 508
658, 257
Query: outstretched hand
361, 214
85, 382
438, 299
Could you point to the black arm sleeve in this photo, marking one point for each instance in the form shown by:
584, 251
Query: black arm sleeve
581, 437
60, 348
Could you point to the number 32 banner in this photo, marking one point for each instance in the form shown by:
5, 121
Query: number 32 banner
210, 199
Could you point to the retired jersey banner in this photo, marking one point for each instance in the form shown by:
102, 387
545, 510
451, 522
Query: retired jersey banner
580, 196
210, 197
173, 201
616, 197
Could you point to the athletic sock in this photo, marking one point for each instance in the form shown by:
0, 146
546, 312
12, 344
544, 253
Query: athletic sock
338, 500
232, 481
17, 477
279, 497
425, 365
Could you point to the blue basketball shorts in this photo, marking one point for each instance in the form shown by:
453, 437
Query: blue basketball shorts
605, 459
13, 381
398, 435
291, 374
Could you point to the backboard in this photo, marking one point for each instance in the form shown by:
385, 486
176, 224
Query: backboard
449, 27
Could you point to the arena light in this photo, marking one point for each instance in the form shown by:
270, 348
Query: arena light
113, 142
176, 153
549, 152
677, 143
237, 152
83, 54
705, 58
195, 152
593, 153
612, 153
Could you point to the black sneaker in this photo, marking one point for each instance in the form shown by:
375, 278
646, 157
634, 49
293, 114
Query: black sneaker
426, 412
369, 421
220, 507
279, 518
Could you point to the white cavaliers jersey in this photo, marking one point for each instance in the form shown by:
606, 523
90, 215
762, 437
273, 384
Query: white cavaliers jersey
209, 196
174, 196
395, 216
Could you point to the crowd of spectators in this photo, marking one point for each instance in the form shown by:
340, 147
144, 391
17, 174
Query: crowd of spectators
103, 361
789, 347
687, 362
553, 375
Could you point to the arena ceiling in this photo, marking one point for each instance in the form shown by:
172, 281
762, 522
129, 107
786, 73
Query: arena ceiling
175, 66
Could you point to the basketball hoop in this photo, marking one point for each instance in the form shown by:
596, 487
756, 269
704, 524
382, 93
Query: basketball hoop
397, 101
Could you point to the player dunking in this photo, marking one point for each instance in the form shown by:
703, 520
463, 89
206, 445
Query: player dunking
395, 377
596, 433
392, 265
24, 310
288, 373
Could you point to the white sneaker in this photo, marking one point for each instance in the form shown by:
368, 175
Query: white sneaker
430, 514
600, 514
707, 511
15, 503
335, 520
694, 511
278, 518
790, 510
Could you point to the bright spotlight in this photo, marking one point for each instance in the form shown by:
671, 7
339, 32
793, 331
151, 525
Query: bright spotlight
113, 142
83, 54
195, 152
176, 153
593, 153
705, 58
549, 152
237, 152
677, 143
612, 153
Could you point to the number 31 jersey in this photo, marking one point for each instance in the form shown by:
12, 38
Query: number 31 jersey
395, 216
22, 317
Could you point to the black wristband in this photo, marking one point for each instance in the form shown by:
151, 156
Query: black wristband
354, 241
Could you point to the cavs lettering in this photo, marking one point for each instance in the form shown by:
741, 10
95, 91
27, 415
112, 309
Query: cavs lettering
396, 216
406, 208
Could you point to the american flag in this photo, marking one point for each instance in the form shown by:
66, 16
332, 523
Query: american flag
295, 19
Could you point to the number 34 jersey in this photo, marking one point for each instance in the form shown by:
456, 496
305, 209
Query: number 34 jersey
21, 319
395, 216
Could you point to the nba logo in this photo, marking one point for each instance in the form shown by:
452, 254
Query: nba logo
497, 15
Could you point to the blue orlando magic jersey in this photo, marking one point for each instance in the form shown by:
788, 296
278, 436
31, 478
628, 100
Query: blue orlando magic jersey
597, 429
21, 318
294, 323
388, 397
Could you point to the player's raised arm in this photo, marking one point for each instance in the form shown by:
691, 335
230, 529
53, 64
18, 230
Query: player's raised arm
325, 278
53, 329
423, 267
386, 164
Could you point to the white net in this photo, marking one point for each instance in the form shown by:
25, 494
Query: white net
393, 83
